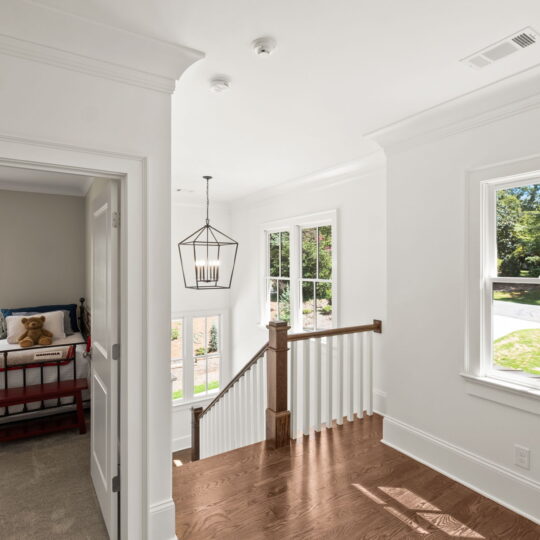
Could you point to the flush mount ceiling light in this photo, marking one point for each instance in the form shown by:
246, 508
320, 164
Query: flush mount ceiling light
219, 85
208, 256
264, 46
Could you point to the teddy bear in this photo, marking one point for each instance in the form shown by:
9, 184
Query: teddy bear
35, 333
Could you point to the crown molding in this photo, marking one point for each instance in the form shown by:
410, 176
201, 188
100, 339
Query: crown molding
319, 180
502, 99
53, 37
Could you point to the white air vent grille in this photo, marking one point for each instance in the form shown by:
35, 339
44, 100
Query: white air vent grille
507, 46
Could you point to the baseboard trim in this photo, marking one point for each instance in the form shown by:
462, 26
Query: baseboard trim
500, 484
161, 523
181, 443
379, 402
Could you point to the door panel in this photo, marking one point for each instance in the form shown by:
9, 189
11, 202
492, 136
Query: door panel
104, 372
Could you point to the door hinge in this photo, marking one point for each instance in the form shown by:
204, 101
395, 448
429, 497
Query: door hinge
116, 351
116, 219
116, 484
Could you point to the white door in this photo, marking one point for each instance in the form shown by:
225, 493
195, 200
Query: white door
104, 372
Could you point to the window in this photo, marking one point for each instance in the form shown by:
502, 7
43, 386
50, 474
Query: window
299, 262
511, 284
196, 355
316, 278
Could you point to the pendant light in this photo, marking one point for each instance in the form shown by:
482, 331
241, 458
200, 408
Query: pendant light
208, 256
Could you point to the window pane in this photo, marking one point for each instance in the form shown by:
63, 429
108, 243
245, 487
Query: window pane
324, 306
285, 254
273, 241
177, 339
518, 231
213, 372
177, 370
325, 252
308, 305
212, 324
516, 327
199, 331
272, 292
284, 301
199, 375
309, 253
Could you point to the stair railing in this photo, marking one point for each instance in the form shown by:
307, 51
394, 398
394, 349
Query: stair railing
331, 377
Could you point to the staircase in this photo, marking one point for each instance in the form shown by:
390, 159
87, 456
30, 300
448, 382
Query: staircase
294, 384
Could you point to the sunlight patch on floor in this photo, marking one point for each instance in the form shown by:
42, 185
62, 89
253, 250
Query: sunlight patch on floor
177, 462
419, 507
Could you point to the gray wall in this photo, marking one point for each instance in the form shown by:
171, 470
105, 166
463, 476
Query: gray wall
42, 249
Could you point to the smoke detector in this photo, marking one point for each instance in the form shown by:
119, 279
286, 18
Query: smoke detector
523, 39
264, 46
219, 84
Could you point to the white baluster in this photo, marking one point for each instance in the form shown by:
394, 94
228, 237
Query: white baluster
202, 438
369, 372
264, 399
241, 420
317, 391
350, 377
340, 380
210, 449
250, 405
256, 401
307, 382
226, 444
330, 379
359, 378
294, 390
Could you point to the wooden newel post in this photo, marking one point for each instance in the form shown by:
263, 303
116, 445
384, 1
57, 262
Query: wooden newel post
277, 415
195, 442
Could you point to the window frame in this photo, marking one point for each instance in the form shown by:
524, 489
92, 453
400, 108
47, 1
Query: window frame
188, 360
481, 270
294, 226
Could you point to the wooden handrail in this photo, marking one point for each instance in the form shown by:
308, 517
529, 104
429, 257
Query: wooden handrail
238, 376
375, 327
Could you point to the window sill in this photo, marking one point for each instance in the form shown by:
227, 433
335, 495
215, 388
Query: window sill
504, 392
183, 404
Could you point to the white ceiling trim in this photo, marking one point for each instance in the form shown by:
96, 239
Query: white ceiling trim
511, 96
323, 179
92, 48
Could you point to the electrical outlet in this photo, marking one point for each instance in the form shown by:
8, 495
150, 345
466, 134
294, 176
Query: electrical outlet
522, 456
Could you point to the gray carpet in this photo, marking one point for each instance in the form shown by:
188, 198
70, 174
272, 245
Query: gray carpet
46, 491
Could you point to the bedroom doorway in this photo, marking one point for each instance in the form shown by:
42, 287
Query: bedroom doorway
64, 245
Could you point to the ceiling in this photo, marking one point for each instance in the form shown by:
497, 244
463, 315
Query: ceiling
37, 181
342, 68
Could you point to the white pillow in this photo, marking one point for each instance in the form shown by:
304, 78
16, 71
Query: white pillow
54, 323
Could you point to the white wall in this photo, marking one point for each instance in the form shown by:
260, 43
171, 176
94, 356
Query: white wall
92, 87
430, 414
42, 250
360, 202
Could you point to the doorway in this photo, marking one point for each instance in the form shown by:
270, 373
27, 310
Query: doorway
52, 216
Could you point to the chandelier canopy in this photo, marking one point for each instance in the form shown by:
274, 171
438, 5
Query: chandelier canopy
208, 256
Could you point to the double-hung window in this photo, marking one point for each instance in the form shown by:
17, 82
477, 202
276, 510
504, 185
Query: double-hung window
504, 252
299, 272
196, 355
511, 281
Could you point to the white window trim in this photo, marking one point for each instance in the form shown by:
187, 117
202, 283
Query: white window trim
293, 225
481, 379
224, 375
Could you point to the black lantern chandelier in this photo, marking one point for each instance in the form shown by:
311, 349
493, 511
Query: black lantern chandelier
208, 256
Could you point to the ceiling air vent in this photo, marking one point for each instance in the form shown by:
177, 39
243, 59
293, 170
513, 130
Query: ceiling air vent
507, 46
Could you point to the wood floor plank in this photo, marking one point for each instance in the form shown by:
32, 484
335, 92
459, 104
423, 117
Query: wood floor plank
339, 483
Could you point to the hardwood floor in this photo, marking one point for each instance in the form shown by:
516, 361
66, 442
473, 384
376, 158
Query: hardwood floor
341, 483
